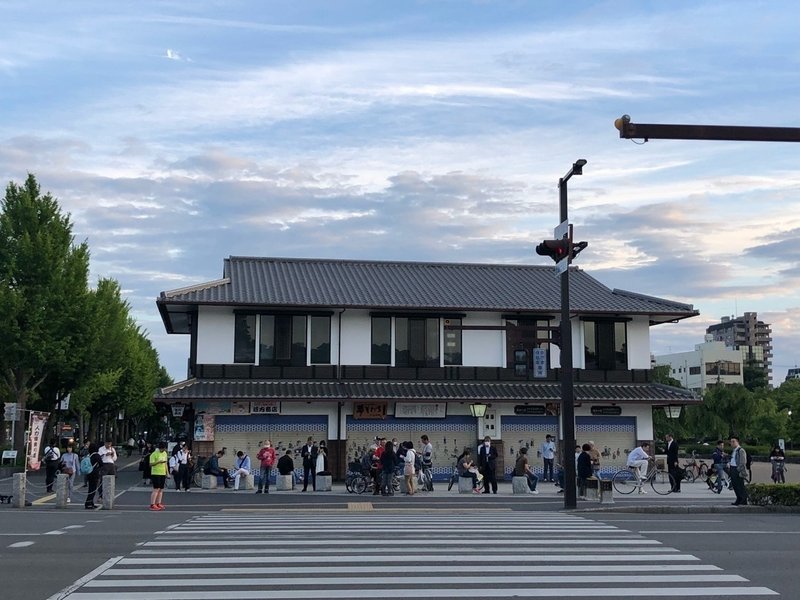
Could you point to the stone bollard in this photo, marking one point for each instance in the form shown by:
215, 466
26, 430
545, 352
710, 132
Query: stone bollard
61, 490
519, 485
606, 492
109, 491
284, 483
19, 489
324, 483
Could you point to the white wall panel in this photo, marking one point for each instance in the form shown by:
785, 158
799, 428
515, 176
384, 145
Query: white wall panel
215, 326
482, 348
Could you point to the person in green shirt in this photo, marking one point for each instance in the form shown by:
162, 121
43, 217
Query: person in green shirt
158, 475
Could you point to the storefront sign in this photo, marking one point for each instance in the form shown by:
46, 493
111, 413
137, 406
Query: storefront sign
606, 411
539, 363
204, 428
177, 410
35, 435
240, 408
529, 409
420, 410
369, 410
266, 407
213, 408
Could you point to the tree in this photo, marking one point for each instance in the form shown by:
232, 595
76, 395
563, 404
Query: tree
43, 291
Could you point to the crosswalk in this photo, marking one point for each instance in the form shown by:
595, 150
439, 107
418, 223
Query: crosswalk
385, 554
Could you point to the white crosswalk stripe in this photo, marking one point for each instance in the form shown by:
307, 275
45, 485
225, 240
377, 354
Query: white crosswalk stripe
377, 554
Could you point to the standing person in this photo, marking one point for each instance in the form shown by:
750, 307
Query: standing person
108, 458
184, 461
93, 477
70, 465
52, 460
376, 467
594, 454
309, 455
157, 463
142, 444
427, 459
266, 458
144, 463
672, 462
523, 469
212, 468
718, 460
321, 467
778, 458
388, 463
84, 451
584, 469
487, 463
242, 468
409, 460
175, 467
548, 451
130, 446
738, 469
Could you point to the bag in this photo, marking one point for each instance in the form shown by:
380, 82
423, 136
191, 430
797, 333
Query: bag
418, 462
67, 471
50, 455
86, 465
408, 469
173, 464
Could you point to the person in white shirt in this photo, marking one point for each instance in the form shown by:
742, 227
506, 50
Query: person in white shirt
548, 451
639, 458
242, 467
427, 459
52, 460
184, 457
108, 460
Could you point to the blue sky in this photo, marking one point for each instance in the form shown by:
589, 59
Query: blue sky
180, 133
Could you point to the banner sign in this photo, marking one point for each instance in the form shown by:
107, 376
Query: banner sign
529, 409
606, 411
420, 410
204, 428
265, 407
11, 411
35, 434
539, 363
369, 410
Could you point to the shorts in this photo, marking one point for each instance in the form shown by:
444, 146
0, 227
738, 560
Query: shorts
158, 481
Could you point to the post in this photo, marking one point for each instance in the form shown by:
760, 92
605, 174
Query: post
567, 397
19, 489
61, 490
108, 491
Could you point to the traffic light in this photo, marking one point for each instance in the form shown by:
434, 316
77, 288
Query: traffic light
576, 249
555, 249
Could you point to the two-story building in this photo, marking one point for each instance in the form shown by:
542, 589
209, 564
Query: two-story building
344, 350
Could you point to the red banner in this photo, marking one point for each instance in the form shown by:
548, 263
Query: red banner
36, 431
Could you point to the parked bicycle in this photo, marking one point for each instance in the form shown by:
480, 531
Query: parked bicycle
626, 480
695, 469
454, 474
778, 470
425, 479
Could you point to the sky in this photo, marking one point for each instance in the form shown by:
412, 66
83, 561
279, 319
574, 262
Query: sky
177, 134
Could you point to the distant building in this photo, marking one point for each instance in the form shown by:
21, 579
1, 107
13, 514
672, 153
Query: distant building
753, 338
793, 374
711, 363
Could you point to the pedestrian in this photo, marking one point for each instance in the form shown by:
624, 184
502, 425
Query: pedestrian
266, 458
523, 469
175, 467
144, 463
93, 477
584, 469
672, 462
52, 460
184, 466
286, 465
594, 454
409, 471
548, 451
388, 464
242, 468
376, 467
142, 445
157, 461
777, 458
487, 463
738, 472
70, 465
427, 459
309, 456
130, 446
321, 467
108, 458
84, 451
212, 468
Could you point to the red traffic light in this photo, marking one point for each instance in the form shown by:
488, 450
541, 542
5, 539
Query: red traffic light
555, 249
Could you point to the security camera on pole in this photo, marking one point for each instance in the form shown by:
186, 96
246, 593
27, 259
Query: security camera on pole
562, 250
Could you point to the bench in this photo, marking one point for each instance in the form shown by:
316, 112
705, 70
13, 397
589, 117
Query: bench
519, 485
284, 483
464, 485
209, 482
592, 488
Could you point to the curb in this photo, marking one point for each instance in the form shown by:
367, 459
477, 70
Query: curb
693, 509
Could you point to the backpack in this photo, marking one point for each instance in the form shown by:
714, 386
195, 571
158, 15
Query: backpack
86, 465
50, 455
418, 462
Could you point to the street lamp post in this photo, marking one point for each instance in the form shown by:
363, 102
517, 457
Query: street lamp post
567, 391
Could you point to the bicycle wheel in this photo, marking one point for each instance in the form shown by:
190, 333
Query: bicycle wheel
197, 478
348, 484
689, 475
703, 472
452, 482
359, 484
624, 482
427, 481
662, 483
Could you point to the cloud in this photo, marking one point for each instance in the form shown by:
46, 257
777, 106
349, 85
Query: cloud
173, 55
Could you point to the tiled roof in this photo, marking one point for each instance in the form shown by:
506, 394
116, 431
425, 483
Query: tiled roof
287, 282
244, 389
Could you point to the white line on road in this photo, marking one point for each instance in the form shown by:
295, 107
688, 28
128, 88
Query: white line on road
22, 534
449, 551
427, 542
717, 531
55, 532
21, 544
85, 579
73, 527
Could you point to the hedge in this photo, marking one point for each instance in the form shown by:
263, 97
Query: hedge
765, 494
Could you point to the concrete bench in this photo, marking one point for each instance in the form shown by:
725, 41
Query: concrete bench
284, 483
592, 488
324, 483
249, 482
519, 485
209, 482
465, 485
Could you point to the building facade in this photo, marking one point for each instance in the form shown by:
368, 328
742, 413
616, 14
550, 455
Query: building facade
346, 350
753, 338
710, 363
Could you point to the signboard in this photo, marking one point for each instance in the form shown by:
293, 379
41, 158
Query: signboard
561, 266
369, 410
265, 407
529, 409
11, 411
35, 434
177, 410
539, 363
552, 409
606, 411
64, 404
204, 428
420, 410
240, 408
213, 408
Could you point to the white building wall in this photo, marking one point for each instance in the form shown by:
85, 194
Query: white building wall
215, 327
356, 337
707, 353
483, 348
639, 343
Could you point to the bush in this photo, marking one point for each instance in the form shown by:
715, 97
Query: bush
765, 494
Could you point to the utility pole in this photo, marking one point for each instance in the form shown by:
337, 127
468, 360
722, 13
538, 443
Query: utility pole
649, 131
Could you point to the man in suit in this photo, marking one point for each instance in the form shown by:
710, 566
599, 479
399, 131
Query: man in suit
672, 461
487, 463
309, 454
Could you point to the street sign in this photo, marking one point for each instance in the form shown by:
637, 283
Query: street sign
64, 404
561, 231
539, 363
177, 410
10, 411
562, 266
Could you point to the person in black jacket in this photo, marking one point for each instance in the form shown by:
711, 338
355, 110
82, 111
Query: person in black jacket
94, 477
672, 461
584, 468
388, 464
309, 454
487, 463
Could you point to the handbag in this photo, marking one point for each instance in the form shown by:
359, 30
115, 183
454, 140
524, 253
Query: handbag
67, 470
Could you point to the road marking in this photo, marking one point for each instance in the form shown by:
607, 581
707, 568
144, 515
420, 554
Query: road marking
85, 579
717, 531
73, 527
21, 544
43, 500
55, 532
22, 534
417, 541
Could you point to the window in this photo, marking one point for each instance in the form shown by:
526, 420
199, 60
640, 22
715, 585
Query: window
605, 346
283, 340
523, 334
723, 367
416, 342
320, 340
452, 343
381, 353
694, 370
244, 339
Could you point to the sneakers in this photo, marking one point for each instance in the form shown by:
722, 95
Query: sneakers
533, 491
476, 490
641, 491
161, 506
156, 507
258, 491
69, 500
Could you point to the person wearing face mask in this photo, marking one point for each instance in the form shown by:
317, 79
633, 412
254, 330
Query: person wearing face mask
266, 456
487, 463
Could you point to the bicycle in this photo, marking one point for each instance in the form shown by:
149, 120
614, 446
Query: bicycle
626, 480
197, 472
454, 475
695, 469
778, 470
426, 478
